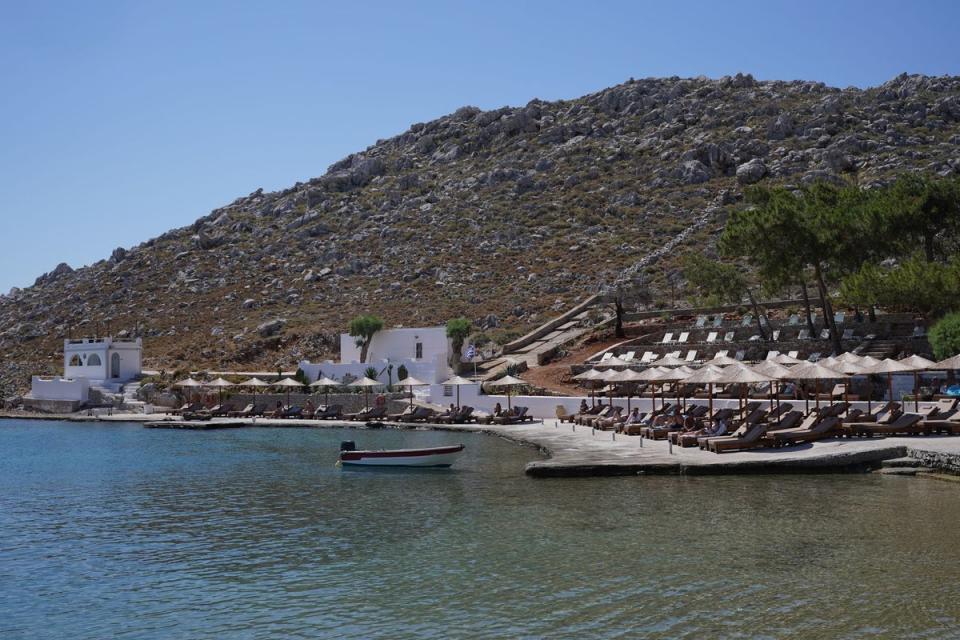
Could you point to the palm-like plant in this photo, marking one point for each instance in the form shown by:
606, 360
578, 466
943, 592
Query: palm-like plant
362, 330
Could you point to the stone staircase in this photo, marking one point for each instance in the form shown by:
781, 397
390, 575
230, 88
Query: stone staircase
880, 348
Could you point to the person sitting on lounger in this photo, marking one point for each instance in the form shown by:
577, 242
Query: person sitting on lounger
497, 410
634, 417
583, 407
308, 408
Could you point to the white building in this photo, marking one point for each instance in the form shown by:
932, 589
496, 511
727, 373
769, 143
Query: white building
424, 352
87, 362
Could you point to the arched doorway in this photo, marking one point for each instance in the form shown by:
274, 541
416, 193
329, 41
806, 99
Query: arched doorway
115, 365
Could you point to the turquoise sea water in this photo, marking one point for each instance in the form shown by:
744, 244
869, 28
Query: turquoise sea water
115, 531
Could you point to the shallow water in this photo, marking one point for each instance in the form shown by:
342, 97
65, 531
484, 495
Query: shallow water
115, 531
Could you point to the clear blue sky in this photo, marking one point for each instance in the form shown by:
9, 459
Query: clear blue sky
120, 120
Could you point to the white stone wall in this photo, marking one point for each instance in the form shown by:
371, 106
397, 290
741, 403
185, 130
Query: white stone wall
42, 388
426, 371
399, 344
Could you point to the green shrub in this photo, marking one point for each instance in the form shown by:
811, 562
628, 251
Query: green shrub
945, 336
402, 372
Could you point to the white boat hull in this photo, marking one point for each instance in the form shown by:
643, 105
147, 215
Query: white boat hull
436, 457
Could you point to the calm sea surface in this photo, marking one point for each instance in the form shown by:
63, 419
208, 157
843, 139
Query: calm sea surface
115, 531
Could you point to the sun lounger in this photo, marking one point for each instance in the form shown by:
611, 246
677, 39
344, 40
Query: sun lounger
794, 354
420, 414
794, 320
740, 355
712, 337
667, 338
847, 334
789, 420
825, 334
407, 411
948, 422
629, 356
518, 415
701, 320
613, 422
752, 439
747, 320
648, 356
905, 424
729, 336
459, 417
293, 412
243, 413
776, 335
563, 416
594, 412
839, 317
804, 334
683, 337
333, 412
691, 356
822, 428
884, 413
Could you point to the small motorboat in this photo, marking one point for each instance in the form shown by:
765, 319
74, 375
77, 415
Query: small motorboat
431, 457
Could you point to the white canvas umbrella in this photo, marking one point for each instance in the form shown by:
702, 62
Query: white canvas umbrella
412, 382
509, 382
741, 375
366, 383
325, 383
457, 381
255, 383
722, 361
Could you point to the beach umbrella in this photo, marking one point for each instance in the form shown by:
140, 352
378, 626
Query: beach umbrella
366, 383
776, 372
668, 361
816, 372
708, 375
287, 383
742, 375
457, 381
255, 383
412, 382
890, 366
722, 361
219, 384
326, 383
591, 375
612, 362
509, 382
784, 358
848, 356
950, 364
189, 383
626, 376
918, 364
848, 367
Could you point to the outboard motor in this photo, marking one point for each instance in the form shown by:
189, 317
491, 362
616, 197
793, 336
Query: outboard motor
348, 445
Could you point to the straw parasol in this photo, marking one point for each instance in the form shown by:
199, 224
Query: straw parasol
816, 372
326, 383
849, 367
612, 362
366, 383
189, 383
590, 375
412, 382
722, 361
776, 373
219, 384
509, 382
949, 364
287, 383
783, 358
741, 374
626, 376
918, 364
708, 375
668, 361
889, 366
457, 381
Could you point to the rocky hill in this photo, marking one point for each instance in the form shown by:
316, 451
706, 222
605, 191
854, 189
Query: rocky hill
504, 216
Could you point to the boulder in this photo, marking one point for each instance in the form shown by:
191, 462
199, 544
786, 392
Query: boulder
692, 172
271, 327
751, 172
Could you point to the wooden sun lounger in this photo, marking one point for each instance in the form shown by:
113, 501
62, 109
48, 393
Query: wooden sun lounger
822, 428
420, 414
906, 424
949, 422
563, 416
333, 412
752, 439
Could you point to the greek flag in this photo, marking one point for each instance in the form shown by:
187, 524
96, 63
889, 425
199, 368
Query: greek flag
471, 352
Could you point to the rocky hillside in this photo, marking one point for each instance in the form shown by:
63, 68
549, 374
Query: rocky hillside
505, 216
